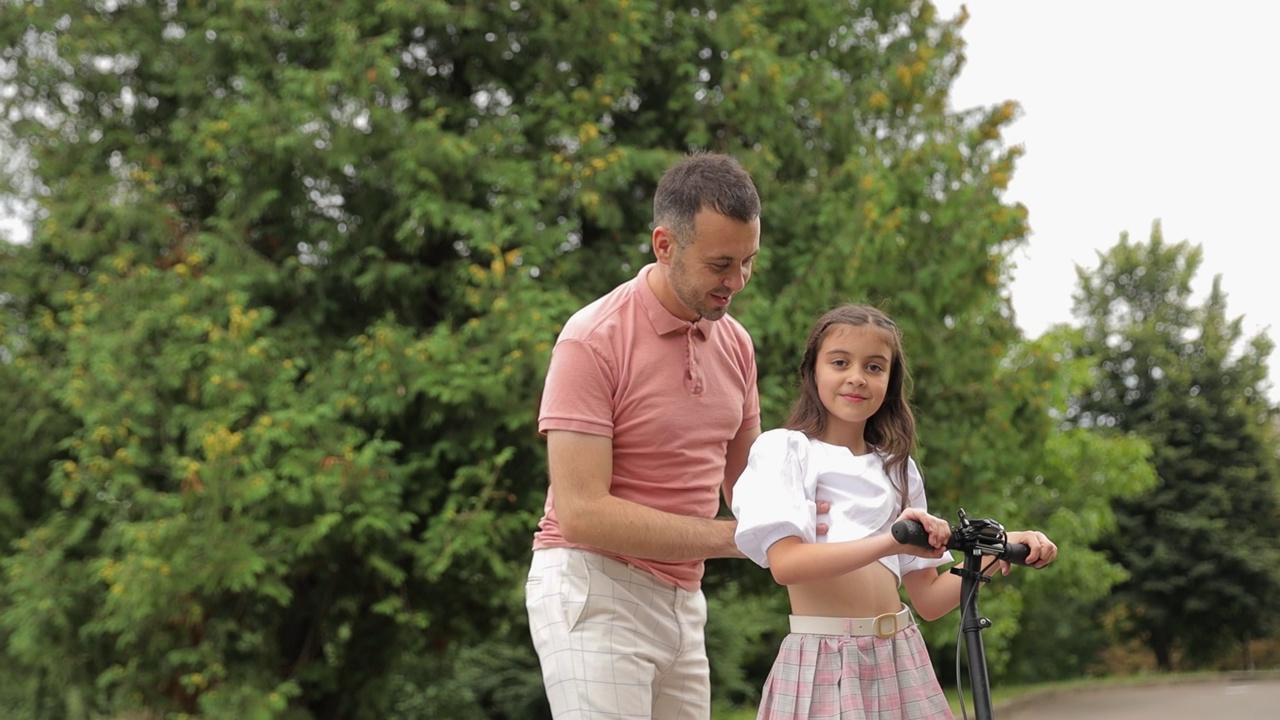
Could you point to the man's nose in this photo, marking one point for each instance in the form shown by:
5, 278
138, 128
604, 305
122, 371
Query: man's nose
737, 280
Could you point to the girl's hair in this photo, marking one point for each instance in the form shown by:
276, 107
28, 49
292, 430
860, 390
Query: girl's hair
891, 432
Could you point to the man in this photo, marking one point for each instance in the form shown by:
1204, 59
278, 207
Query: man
649, 409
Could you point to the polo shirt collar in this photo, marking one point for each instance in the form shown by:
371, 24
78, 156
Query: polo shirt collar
663, 321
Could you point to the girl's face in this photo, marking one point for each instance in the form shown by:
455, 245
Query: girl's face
851, 373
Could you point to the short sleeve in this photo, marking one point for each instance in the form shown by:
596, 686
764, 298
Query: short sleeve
773, 499
751, 404
916, 499
578, 394
751, 401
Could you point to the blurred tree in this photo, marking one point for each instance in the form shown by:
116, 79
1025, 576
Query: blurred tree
277, 340
1203, 569
1078, 475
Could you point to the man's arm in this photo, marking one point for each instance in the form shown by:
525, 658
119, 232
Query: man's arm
735, 459
581, 467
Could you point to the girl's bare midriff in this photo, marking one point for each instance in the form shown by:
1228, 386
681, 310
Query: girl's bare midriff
864, 593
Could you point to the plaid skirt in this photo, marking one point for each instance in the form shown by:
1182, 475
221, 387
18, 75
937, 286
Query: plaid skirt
831, 677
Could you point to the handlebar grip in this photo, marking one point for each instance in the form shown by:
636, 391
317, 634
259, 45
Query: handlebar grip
1015, 553
910, 532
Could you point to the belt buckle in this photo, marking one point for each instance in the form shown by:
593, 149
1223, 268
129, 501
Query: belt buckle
881, 620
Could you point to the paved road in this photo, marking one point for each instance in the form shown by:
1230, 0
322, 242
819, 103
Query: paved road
1245, 699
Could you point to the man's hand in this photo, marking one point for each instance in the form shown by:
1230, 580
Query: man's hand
824, 508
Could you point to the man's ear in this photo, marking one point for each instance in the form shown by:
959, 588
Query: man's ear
664, 244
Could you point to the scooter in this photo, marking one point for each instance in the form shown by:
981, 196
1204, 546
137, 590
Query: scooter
976, 539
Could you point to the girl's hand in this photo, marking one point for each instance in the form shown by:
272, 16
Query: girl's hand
1042, 550
939, 532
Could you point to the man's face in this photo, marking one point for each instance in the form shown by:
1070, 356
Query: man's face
715, 265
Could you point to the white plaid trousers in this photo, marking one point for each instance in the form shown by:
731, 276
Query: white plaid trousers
616, 643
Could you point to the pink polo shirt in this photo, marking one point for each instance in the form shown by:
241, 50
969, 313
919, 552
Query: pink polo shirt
670, 393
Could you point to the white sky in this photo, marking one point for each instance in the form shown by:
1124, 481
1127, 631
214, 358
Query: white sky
11, 228
1135, 111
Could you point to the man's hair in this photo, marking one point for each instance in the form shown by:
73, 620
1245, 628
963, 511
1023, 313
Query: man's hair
703, 180
891, 431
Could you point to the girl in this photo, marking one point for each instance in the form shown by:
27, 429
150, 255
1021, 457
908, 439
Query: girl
854, 651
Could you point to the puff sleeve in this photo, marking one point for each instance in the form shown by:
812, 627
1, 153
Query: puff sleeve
774, 498
916, 499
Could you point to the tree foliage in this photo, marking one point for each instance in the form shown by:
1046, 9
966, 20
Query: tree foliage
277, 341
1186, 379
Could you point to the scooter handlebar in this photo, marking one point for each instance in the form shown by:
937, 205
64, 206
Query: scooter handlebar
911, 532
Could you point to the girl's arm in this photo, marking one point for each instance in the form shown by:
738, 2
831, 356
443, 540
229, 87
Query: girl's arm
794, 561
932, 593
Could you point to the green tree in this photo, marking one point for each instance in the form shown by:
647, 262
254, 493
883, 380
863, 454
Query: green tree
1186, 379
277, 341
278, 304
1075, 479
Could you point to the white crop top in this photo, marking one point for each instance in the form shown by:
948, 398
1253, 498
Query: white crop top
788, 472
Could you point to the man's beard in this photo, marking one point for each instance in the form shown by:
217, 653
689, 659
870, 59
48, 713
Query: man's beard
690, 296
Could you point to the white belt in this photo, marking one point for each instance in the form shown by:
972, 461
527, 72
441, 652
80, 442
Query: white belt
883, 626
